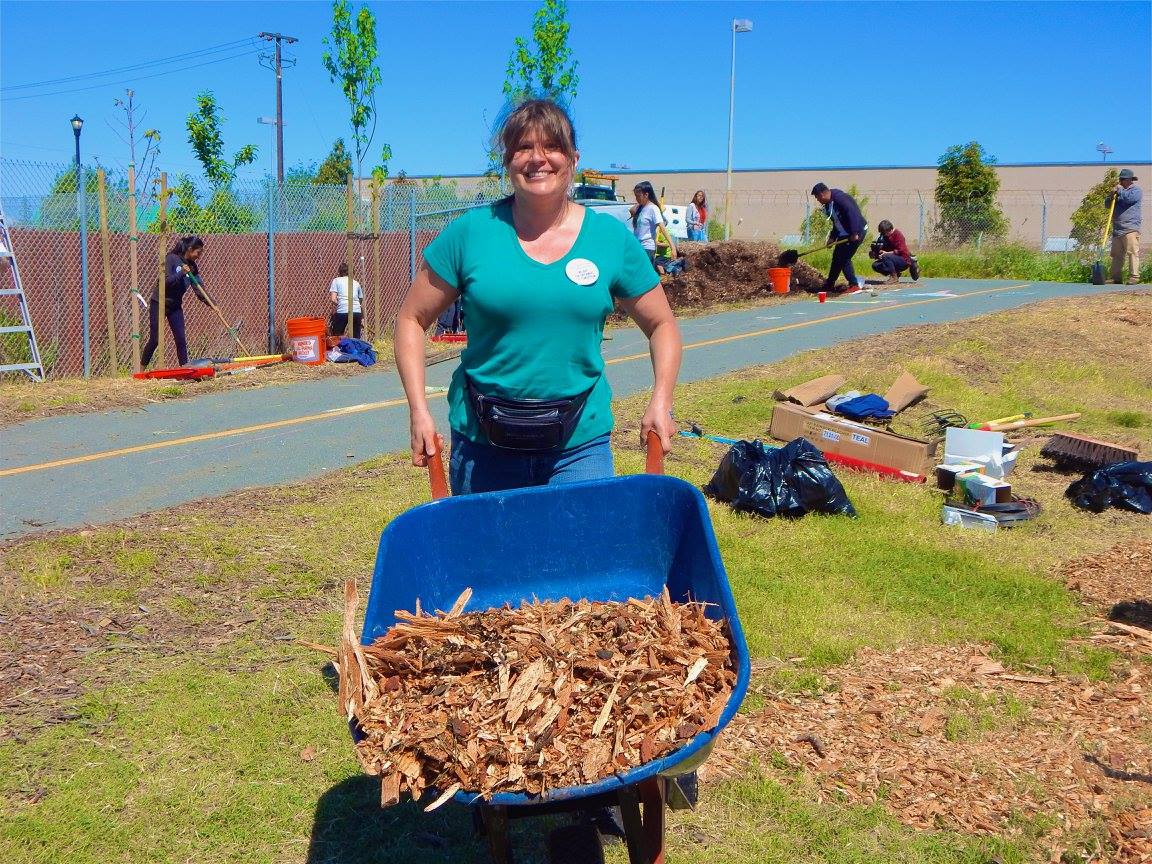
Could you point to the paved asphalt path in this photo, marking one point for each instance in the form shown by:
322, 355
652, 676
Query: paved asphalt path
63, 472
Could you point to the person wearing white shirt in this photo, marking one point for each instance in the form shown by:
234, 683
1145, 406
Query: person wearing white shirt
339, 291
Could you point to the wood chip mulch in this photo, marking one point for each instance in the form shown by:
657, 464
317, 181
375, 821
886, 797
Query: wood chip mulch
530, 699
945, 737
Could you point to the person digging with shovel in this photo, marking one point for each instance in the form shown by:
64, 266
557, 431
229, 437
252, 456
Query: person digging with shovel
180, 274
848, 230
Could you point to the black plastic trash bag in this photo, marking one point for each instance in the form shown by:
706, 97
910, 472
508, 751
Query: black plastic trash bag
1127, 485
787, 481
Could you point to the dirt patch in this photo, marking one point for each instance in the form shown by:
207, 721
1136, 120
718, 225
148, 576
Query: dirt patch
945, 737
732, 271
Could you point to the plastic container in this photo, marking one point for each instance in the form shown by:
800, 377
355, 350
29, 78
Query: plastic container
781, 277
307, 340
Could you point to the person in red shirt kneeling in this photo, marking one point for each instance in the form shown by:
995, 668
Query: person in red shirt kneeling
891, 254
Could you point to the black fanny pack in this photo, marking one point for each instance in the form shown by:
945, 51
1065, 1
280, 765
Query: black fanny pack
534, 425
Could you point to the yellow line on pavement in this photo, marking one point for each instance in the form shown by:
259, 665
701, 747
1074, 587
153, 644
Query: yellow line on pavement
209, 436
391, 403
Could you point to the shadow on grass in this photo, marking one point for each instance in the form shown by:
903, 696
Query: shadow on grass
351, 828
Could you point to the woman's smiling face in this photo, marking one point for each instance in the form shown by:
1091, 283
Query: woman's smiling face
540, 167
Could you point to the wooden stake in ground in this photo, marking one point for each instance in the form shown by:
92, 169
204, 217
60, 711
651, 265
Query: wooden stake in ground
351, 252
376, 288
109, 308
133, 243
162, 229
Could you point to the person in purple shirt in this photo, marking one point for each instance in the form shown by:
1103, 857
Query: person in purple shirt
848, 225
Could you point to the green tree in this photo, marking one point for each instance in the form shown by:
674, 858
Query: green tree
545, 67
336, 167
208, 144
223, 214
1088, 220
58, 208
966, 187
351, 62
819, 226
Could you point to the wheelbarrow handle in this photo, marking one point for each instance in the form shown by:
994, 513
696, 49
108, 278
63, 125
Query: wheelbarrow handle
436, 478
654, 462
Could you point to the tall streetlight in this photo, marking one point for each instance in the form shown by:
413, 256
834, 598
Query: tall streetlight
1103, 149
739, 25
77, 125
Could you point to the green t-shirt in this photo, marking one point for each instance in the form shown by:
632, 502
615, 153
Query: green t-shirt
534, 330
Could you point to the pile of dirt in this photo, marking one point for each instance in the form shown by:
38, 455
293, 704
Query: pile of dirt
731, 271
945, 737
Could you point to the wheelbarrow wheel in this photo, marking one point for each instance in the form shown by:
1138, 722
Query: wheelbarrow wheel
575, 844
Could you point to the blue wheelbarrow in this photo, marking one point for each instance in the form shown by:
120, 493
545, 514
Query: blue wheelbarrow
602, 540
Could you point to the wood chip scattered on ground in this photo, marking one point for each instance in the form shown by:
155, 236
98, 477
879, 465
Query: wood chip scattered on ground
530, 699
1123, 572
945, 737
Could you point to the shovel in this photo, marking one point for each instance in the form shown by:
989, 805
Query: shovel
234, 332
1098, 264
790, 256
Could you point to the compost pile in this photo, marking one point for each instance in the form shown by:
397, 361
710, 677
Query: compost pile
530, 699
732, 271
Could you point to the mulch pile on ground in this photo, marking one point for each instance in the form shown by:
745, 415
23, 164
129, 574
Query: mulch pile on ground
947, 738
530, 699
731, 271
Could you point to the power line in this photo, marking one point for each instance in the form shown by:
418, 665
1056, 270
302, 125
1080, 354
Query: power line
213, 49
133, 79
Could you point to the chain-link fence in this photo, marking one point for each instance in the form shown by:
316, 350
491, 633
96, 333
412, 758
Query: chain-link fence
270, 255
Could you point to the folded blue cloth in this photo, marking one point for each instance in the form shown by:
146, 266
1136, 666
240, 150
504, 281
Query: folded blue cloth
866, 407
356, 351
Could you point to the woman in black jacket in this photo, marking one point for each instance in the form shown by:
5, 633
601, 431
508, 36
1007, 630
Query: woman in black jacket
180, 274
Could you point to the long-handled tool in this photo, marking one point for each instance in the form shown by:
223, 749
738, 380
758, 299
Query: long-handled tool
790, 256
1028, 424
1098, 264
234, 332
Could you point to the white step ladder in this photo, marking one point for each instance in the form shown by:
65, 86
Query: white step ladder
13, 287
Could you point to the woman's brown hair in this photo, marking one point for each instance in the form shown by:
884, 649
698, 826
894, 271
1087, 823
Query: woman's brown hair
546, 119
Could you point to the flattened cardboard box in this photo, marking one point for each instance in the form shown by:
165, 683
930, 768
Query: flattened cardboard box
845, 438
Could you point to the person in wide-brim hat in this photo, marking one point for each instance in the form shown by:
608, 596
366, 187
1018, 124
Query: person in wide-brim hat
1126, 221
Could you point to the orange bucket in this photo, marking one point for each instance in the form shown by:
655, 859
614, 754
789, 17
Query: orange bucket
780, 277
306, 340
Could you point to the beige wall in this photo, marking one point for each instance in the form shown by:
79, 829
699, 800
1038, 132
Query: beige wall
770, 204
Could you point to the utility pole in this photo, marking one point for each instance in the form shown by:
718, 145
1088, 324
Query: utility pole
279, 70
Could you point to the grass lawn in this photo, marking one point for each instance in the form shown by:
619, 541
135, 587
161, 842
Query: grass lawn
155, 707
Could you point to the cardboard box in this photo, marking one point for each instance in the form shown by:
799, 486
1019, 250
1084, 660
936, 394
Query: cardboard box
812, 392
947, 475
986, 490
837, 436
905, 391
986, 448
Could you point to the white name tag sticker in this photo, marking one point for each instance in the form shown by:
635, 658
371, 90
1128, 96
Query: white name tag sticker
582, 271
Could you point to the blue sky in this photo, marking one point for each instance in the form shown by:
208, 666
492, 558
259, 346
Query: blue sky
818, 84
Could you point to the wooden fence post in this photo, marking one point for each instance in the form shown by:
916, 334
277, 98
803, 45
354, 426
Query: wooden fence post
109, 307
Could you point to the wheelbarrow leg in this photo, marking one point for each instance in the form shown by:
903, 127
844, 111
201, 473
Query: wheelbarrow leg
633, 826
495, 821
653, 794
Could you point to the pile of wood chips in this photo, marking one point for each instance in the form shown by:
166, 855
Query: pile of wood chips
530, 699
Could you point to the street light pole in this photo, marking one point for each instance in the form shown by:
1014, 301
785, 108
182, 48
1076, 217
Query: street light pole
739, 25
81, 210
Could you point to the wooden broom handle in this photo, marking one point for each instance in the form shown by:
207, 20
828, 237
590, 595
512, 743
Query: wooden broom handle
654, 461
436, 478
1035, 421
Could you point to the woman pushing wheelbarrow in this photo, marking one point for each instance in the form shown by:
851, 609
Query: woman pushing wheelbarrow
537, 275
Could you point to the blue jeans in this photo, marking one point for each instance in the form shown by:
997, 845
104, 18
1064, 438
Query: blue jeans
890, 265
697, 234
484, 468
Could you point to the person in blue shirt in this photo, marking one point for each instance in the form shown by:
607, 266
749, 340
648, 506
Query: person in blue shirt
1126, 228
536, 275
848, 226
